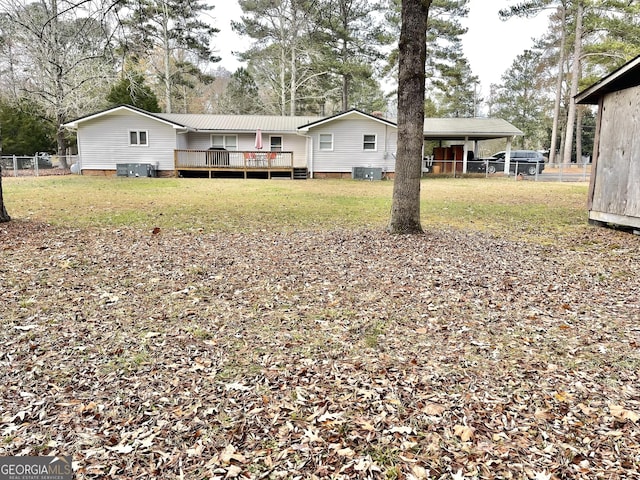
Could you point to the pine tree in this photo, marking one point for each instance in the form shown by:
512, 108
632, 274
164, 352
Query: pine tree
132, 90
176, 29
352, 39
517, 100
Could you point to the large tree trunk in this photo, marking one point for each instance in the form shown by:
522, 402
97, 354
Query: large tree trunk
559, 79
4, 216
575, 77
405, 208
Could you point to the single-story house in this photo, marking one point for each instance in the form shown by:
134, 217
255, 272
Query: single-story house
123, 139
614, 191
173, 143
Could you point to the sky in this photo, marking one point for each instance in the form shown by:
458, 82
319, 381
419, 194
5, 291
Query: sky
490, 45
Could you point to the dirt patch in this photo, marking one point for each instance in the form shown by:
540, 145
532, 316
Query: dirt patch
320, 355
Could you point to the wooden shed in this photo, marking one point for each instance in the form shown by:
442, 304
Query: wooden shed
614, 191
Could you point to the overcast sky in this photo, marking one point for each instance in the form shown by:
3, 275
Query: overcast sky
490, 45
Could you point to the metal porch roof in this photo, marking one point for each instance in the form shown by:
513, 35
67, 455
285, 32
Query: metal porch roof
471, 128
238, 123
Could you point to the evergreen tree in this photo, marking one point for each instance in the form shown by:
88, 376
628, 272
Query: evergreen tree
518, 101
132, 90
242, 94
25, 129
176, 29
282, 57
352, 38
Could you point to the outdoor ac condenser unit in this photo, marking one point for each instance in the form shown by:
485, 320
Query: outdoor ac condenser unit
366, 173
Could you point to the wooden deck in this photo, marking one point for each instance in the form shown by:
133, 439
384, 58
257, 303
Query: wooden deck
245, 163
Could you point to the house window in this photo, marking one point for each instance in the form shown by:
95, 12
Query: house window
326, 141
369, 142
228, 142
276, 144
138, 138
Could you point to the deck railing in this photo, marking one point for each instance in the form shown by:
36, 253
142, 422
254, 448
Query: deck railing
232, 160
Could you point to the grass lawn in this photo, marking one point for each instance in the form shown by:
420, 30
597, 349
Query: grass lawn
199, 329
493, 205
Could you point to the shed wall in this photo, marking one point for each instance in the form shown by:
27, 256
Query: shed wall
616, 189
104, 142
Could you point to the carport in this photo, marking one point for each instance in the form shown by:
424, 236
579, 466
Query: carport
471, 129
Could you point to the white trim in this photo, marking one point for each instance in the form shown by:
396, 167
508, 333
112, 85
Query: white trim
306, 128
74, 124
138, 132
281, 137
320, 142
375, 142
224, 140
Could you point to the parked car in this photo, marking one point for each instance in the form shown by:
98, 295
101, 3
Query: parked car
44, 160
522, 161
26, 161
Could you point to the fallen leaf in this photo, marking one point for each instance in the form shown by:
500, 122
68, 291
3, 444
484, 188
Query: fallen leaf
464, 432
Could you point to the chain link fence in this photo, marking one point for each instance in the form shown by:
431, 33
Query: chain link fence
536, 171
36, 165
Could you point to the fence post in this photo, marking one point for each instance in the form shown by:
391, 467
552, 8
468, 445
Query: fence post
15, 166
36, 166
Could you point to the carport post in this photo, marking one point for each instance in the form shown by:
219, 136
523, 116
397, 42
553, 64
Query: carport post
464, 155
507, 155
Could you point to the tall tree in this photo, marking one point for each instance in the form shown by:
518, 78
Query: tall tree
518, 99
450, 83
242, 93
282, 54
4, 216
455, 86
131, 89
352, 37
177, 30
412, 52
62, 59
604, 36
573, 85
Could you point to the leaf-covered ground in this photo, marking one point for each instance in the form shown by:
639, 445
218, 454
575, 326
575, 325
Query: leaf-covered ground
321, 354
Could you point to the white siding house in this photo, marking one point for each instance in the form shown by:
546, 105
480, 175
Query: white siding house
334, 146
350, 139
126, 136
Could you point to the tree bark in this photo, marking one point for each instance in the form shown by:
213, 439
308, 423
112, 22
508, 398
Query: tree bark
575, 77
4, 216
559, 79
405, 208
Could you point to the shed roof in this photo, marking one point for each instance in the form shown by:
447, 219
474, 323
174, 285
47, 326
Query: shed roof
627, 76
468, 128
